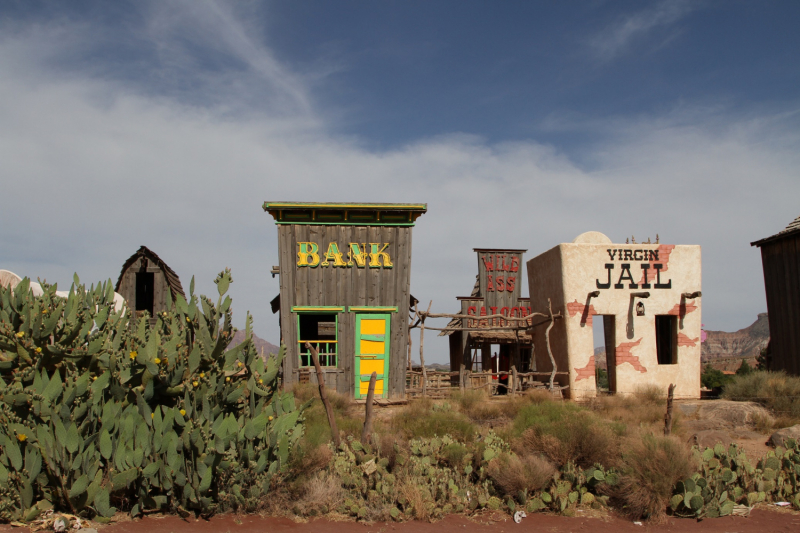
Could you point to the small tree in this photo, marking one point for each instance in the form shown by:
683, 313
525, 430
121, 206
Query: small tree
744, 369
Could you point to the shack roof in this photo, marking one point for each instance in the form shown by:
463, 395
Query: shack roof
173, 281
792, 229
345, 213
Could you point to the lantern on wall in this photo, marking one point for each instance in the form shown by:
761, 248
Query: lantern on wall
639, 309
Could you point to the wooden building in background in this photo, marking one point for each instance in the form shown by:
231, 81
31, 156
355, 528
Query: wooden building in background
496, 292
780, 258
144, 281
345, 272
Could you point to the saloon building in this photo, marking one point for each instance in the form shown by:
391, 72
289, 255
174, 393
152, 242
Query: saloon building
644, 297
477, 343
344, 288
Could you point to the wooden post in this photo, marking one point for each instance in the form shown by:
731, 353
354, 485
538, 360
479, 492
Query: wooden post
668, 416
410, 367
461, 377
513, 378
365, 433
325, 402
421, 346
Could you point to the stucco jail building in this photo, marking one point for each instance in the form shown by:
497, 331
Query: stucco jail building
645, 297
345, 288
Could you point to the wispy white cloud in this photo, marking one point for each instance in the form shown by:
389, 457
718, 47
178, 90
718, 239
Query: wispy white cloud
93, 167
621, 35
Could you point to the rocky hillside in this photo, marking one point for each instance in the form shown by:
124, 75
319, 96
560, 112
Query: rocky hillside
725, 351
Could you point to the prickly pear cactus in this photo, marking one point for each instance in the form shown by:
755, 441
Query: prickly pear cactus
99, 409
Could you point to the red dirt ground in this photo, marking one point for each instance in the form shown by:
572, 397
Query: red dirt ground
762, 520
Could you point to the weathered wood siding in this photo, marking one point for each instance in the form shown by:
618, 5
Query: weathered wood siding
501, 262
346, 286
127, 285
781, 261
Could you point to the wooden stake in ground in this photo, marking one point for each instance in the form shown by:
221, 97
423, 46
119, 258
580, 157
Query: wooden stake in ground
668, 416
365, 433
323, 397
421, 346
547, 341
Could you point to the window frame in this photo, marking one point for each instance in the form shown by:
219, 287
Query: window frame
324, 356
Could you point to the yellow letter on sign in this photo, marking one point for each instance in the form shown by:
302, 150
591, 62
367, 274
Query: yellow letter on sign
357, 254
307, 254
334, 255
375, 256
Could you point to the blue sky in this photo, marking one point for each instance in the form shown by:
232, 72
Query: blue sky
169, 123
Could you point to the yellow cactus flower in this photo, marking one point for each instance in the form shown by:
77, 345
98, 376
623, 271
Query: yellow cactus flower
241, 364
133, 355
20, 334
22, 437
228, 378
157, 361
182, 412
94, 378
260, 381
38, 350
152, 415
188, 319
195, 383
270, 418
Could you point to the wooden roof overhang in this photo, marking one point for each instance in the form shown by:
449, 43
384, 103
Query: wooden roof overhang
345, 214
792, 229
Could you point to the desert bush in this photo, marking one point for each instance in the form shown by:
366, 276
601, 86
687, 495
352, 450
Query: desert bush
108, 410
776, 391
419, 420
652, 394
651, 467
512, 474
322, 493
629, 412
565, 433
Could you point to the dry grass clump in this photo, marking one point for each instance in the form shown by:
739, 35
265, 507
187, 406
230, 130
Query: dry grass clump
776, 391
631, 410
651, 467
512, 474
322, 492
415, 500
652, 394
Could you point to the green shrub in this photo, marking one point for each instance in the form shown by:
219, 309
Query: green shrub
99, 409
420, 420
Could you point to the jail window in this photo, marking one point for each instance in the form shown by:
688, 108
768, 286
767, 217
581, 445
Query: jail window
667, 339
144, 291
320, 331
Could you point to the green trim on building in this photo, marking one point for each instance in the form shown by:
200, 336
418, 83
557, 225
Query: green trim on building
345, 214
317, 308
372, 309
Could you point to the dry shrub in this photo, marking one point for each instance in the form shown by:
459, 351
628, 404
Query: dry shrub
763, 423
631, 410
385, 445
453, 454
652, 465
469, 398
652, 394
775, 390
415, 499
322, 493
512, 474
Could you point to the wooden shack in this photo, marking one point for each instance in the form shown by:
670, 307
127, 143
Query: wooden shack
496, 292
780, 258
345, 289
144, 281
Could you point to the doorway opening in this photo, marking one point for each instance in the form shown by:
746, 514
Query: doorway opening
144, 291
603, 332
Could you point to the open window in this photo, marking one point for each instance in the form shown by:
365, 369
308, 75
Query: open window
321, 331
667, 339
145, 282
